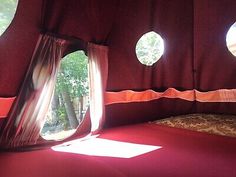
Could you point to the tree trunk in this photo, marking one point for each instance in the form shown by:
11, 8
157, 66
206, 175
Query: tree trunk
69, 110
81, 102
54, 105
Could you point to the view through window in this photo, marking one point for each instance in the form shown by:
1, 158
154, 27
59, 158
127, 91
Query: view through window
7, 12
231, 39
150, 48
70, 100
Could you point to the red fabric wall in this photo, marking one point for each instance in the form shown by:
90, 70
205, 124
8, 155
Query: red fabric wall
17, 45
195, 51
214, 65
174, 69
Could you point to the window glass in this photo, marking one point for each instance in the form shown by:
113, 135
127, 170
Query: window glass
70, 100
7, 12
150, 48
231, 39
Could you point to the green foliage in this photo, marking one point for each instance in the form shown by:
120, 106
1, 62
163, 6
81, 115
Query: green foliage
73, 75
62, 117
72, 78
7, 11
149, 48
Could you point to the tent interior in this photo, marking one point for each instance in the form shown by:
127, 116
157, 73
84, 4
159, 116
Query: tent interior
171, 114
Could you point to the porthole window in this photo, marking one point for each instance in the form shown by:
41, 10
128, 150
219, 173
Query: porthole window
70, 100
231, 39
7, 12
149, 48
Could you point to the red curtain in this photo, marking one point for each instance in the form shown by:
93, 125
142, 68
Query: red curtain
28, 113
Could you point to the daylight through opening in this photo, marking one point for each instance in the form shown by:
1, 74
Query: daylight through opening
7, 12
149, 48
71, 98
231, 39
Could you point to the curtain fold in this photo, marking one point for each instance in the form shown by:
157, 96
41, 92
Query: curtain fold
29, 111
98, 73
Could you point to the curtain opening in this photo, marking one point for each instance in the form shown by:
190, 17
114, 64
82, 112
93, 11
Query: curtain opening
27, 116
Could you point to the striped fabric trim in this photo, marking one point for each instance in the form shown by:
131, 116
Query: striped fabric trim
127, 96
5, 106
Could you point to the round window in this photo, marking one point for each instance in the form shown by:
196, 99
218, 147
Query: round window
150, 48
7, 12
70, 100
231, 39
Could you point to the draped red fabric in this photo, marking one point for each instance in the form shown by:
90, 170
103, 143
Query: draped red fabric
28, 114
98, 70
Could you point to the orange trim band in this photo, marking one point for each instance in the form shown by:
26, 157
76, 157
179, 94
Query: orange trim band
127, 96
5, 106
221, 95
